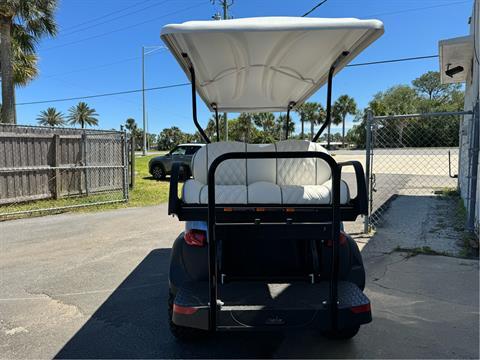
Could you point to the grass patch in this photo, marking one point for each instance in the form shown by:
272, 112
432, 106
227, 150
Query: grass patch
424, 250
147, 192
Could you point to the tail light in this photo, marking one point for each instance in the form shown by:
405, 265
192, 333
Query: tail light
361, 309
195, 237
342, 240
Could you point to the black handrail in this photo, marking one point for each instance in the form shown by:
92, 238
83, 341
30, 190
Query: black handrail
212, 262
361, 200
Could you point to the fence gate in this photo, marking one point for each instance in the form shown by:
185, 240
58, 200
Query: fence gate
412, 155
50, 169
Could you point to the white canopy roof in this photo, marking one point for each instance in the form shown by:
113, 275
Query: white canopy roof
263, 64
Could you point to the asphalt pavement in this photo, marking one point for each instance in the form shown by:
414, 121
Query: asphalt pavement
95, 286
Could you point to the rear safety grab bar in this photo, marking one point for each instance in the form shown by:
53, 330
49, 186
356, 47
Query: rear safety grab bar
212, 256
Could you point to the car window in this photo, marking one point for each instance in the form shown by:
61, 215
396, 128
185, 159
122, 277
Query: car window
192, 150
181, 150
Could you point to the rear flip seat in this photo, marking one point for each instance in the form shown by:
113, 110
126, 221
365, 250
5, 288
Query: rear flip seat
262, 181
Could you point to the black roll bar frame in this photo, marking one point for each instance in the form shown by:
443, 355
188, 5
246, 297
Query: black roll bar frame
328, 118
291, 104
194, 99
217, 129
335, 207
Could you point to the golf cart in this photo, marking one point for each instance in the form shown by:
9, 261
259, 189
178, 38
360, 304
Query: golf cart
264, 246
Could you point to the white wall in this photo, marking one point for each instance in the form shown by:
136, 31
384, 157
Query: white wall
471, 98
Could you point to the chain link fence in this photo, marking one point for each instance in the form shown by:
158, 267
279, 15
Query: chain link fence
45, 169
413, 154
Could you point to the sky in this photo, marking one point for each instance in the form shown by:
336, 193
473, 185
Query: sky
99, 44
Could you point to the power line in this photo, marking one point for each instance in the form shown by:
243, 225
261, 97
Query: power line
394, 60
113, 19
122, 29
48, 76
185, 84
106, 15
314, 8
104, 95
416, 9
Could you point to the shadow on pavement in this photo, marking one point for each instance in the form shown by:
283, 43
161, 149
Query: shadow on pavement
132, 323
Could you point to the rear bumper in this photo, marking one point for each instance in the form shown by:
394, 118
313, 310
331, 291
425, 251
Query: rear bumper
294, 306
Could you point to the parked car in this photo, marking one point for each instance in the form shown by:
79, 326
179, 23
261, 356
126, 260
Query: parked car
161, 166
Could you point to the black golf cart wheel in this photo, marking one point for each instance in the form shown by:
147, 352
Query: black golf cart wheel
343, 334
158, 172
182, 333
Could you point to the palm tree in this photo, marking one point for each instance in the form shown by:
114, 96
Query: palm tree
245, 125
343, 106
311, 112
131, 125
51, 117
28, 19
82, 114
281, 126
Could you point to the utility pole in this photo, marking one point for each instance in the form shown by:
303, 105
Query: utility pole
150, 49
225, 5
144, 147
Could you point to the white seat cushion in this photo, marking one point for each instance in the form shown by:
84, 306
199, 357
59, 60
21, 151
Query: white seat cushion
313, 194
263, 192
195, 192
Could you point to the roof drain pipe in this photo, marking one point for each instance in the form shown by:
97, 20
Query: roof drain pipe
291, 104
329, 94
194, 99
217, 129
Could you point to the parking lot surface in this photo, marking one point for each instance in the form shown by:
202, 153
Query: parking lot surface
95, 286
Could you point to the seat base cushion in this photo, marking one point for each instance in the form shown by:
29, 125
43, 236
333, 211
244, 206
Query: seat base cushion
313, 194
194, 192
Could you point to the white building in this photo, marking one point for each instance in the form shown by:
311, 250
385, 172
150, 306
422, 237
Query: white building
459, 62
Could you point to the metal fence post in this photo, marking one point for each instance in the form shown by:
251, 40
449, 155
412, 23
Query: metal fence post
84, 156
56, 164
125, 166
132, 161
473, 169
366, 220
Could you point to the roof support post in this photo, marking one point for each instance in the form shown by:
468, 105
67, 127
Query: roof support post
217, 129
291, 104
328, 118
194, 99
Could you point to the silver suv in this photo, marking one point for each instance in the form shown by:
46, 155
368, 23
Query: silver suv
161, 166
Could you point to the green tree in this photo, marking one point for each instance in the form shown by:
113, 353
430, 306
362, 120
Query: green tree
34, 18
429, 85
169, 138
266, 122
343, 106
51, 117
83, 115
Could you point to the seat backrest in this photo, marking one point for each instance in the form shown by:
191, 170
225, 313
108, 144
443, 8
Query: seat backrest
301, 171
229, 172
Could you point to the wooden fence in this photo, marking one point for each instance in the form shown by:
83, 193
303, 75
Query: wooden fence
42, 162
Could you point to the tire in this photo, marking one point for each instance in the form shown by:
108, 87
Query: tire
158, 172
182, 333
343, 334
